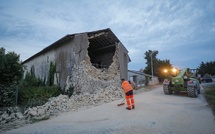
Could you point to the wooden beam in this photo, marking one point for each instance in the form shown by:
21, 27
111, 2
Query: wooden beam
96, 35
103, 48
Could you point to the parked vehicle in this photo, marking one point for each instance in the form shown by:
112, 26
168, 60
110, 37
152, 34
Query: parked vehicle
207, 79
185, 81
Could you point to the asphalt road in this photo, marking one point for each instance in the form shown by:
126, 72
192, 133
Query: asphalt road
155, 113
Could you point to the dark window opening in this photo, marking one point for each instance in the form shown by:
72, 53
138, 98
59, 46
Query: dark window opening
101, 55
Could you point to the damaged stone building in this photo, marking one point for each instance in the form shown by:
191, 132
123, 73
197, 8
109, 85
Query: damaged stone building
86, 61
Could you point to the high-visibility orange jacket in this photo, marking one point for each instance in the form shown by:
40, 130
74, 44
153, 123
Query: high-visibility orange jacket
126, 86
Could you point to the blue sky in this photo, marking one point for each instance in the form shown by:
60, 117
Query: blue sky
183, 31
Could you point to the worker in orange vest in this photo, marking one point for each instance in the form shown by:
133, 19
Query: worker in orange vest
129, 96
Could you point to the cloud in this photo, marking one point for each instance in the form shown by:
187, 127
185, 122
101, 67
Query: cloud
25, 48
167, 26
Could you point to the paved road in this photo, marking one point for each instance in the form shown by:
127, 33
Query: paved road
155, 113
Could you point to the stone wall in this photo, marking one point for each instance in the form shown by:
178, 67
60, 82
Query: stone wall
89, 79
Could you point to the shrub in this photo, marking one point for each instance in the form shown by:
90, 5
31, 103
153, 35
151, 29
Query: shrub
34, 91
31, 81
35, 96
7, 95
210, 96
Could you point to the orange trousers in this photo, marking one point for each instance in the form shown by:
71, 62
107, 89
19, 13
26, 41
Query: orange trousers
129, 96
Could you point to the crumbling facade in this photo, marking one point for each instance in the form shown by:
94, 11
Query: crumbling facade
92, 60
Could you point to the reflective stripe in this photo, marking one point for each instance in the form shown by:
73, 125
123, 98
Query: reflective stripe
128, 102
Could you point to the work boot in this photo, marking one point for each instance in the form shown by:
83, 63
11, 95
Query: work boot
133, 107
128, 108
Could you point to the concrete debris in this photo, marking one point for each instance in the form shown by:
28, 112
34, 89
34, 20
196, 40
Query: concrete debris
12, 117
62, 103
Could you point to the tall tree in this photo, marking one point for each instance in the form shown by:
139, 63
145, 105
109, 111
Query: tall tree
151, 60
10, 67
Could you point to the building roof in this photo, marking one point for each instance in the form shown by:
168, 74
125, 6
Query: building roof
103, 39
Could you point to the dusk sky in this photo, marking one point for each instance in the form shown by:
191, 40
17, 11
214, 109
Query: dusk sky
183, 31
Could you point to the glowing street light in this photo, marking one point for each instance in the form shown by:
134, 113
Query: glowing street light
174, 70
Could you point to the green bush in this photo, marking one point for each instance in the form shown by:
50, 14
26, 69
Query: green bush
34, 91
31, 81
10, 73
10, 68
7, 95
210, 96
30, 91
35, 96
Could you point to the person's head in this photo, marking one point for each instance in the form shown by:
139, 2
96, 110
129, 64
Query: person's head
122, 80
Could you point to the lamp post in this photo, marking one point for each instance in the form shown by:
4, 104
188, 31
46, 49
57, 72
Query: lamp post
152, 65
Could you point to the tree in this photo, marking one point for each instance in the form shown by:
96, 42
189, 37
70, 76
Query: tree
161, 66
150, 56
157, 64
208, 67
10, 67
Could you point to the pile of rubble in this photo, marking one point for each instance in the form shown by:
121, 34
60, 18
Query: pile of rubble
55, 105
12, 117
63, 103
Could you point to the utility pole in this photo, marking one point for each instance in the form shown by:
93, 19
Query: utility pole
152, 66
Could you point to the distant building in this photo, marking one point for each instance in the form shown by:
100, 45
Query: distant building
140, 78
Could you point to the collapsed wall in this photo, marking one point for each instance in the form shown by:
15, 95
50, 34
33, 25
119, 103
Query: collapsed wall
94, 86
93, 78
